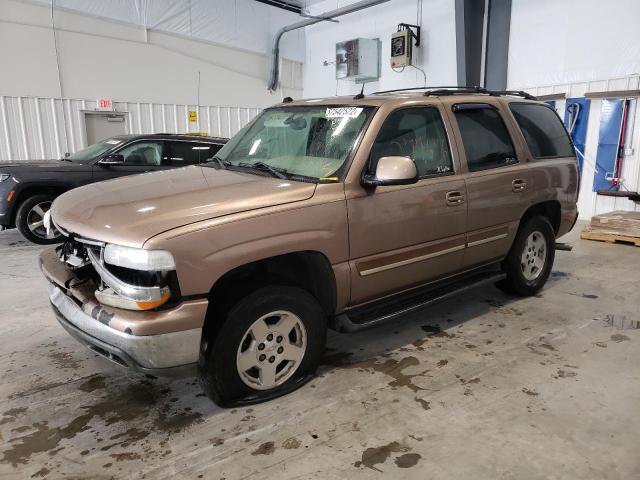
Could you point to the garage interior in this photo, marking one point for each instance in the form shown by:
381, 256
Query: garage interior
484, 385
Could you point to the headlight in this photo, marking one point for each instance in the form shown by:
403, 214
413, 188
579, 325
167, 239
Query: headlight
139, 259
4, 176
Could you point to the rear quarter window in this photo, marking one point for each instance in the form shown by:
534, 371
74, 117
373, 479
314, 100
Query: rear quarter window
543, 130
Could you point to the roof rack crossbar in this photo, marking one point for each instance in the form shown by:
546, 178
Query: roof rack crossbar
459, 90
421, 88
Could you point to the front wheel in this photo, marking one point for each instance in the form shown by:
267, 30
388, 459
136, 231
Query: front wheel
30, 220
269, 344
530, 259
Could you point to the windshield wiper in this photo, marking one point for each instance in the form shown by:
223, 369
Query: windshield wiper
276, 172
223, 163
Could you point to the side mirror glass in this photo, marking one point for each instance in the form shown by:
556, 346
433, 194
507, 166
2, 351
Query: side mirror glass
393, 171
114, 159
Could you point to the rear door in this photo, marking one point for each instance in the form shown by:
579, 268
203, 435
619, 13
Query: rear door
181, 153
496, 178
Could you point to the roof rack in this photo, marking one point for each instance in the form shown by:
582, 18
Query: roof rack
461, 90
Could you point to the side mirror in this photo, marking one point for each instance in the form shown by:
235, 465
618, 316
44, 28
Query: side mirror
393, 171
114, 159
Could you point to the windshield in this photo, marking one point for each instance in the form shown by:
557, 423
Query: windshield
95, 150
311, 142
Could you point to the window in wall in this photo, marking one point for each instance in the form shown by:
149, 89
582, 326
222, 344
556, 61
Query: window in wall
417, 133
543, 130
487, 143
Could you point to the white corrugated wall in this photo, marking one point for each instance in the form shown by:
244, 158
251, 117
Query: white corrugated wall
33, 128
590, 203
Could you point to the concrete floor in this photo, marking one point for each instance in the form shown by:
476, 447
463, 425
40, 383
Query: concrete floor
481, 387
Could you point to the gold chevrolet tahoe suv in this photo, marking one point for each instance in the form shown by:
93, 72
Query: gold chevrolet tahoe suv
329, 213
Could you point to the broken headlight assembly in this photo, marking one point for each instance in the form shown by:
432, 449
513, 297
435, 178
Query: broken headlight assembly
132, 278
128, 278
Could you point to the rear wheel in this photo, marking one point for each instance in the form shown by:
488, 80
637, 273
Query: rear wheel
531, 257
269, 344
30, 220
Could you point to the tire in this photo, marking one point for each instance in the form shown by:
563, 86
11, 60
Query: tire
526, 271
243, 340
30, 213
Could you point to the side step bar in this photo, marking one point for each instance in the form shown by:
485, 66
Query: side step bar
382, 311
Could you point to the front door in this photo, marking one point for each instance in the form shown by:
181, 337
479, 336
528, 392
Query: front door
139, 157
404, 236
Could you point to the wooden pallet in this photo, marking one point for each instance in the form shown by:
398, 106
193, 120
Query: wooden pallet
610, 237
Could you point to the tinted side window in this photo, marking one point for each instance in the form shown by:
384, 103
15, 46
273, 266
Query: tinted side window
417, 133
189, 153
142, 153
543, 130
487, 143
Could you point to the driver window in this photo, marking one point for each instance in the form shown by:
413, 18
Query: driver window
142, 153
417, 133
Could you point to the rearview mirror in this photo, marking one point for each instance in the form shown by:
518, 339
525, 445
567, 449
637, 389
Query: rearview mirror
114, 159
393, 171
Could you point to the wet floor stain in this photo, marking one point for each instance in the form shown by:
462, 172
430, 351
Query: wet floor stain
617, 337
408, 460
291, 443
65, 360
426, 405
620, 322
378, 455
12, 415
266, 448
137, 402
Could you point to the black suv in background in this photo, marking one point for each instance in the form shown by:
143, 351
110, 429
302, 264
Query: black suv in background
28, 189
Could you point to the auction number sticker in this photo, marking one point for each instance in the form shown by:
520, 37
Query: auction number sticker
343, 112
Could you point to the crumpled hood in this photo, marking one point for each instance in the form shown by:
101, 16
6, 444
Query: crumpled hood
131, 210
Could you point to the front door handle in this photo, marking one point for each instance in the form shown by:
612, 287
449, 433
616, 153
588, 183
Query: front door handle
519, 185
454, 198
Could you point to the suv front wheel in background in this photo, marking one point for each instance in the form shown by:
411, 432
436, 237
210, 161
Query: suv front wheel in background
269, 344
530, 259
30, 219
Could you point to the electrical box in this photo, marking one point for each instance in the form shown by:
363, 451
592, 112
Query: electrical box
401, 46
358, 60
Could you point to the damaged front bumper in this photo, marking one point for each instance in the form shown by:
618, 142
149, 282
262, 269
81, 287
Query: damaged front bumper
164, 342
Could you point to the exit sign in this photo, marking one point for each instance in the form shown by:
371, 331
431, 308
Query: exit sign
105, 104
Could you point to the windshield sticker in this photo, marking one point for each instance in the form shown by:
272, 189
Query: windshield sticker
112, 142
343, 112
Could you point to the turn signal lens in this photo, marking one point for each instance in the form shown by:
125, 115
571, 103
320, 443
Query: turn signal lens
152, 305
110, 298
11, 195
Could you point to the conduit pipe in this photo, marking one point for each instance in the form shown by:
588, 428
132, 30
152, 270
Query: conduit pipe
274, 70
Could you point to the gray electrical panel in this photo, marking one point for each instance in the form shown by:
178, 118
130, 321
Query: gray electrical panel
358, 60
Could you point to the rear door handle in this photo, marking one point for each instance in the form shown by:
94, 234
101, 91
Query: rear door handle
454, 198
519, 185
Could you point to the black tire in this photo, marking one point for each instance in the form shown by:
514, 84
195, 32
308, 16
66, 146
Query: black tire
24, 218
516, 281
217, 368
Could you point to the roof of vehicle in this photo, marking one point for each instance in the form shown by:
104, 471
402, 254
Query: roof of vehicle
462, 94
174, 136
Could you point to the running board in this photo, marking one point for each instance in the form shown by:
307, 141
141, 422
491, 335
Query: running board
382, 311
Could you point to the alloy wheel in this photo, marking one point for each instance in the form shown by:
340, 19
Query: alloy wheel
534, 256
271, 350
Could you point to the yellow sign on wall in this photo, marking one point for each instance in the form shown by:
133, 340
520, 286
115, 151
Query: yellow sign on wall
193, 116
